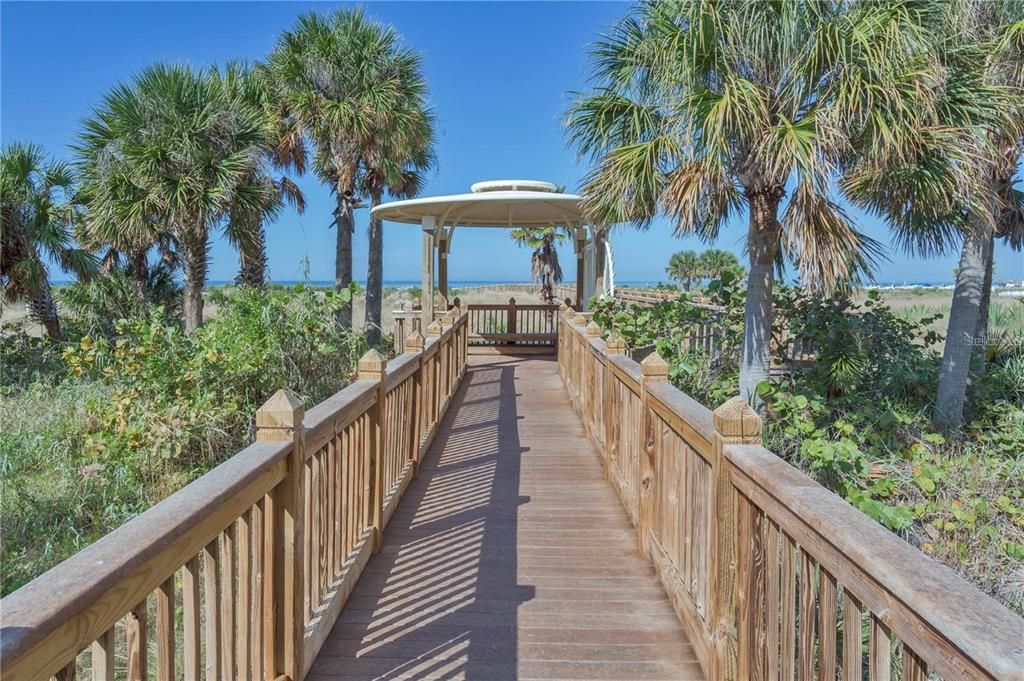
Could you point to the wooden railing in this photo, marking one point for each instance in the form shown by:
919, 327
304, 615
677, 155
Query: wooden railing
513, 325
242, 573
772, 576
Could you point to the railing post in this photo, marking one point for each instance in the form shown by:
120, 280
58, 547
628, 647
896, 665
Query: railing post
616, 346
372, 368
280, 419
735, 423
434, 330
579, 368
592, 330
653, 370
512, 322
414, 343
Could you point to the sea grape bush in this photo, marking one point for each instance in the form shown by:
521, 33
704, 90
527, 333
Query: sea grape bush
855, 417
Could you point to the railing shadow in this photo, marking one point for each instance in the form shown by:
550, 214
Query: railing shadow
441, 599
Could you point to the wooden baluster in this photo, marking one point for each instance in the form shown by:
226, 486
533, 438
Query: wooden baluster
805, 654
280, 419
211, 602
826, 624
735, 423
579, 362
192, 630
135, 628
372, 368
165, 649
771, 599
244, 535
853, 621
227, 603
788, 619
103, 657
914, 668
751, 579
653, 370
256, 621
880, 653
434, 331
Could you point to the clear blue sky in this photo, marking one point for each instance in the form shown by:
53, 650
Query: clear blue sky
499, 73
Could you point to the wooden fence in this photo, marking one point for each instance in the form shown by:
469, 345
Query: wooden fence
772, 576
242, 573
522, 326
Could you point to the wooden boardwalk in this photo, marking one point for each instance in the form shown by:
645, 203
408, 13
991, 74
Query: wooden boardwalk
510, 557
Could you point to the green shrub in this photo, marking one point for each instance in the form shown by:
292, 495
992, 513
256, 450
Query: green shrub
147, 410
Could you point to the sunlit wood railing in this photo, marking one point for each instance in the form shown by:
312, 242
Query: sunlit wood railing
771, 575
513, 324
242, 573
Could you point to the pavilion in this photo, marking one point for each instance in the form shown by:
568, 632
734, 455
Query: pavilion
507, 204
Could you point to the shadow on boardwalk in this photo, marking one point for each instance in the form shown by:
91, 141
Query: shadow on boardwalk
509, 557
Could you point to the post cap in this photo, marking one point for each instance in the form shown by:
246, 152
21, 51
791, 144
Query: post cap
414, 341
579, 319
593, 329
653, 367
736, 419
616, 344
371, 365
434, 328
282, 411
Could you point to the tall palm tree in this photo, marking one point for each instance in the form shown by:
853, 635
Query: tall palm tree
263, 193
704, 109
544, 266
957, 190
715, 262
172, 149
396, 164
343, 75
35, 224
685, 267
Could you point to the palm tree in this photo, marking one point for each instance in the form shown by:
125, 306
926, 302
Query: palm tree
36, 215
396, 164
716, 262
686, 267
263, 194
343, 75
703, 109
957, 189
544, 266
170, 152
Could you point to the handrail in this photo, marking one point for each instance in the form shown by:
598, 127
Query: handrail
766, 569
533, 325
264, 550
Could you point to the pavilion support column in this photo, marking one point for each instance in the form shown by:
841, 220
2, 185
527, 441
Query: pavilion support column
442, 270
427, 291
580, 272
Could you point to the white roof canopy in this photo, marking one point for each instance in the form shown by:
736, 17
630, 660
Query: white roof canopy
498, 203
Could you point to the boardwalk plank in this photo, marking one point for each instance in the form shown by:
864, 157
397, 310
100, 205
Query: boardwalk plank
509, 557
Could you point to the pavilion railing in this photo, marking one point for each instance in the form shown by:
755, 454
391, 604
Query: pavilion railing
771, 575
513, 325
242, 573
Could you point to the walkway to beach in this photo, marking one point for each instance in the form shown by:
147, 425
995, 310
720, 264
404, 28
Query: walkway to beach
510, 556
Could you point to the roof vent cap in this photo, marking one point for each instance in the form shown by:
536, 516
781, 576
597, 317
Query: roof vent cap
513, 186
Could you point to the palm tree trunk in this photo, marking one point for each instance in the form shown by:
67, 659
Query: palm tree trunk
374, 278
44, 310
140, 271
344, 221
963, 325
981, 332
252, 258
763, 243
196, 259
